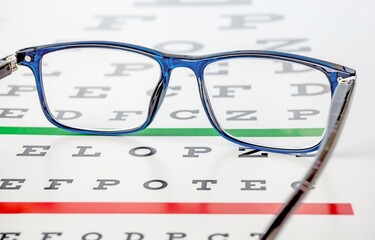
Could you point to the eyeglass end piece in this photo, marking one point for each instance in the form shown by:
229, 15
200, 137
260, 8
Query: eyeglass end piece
8, 65
346, 80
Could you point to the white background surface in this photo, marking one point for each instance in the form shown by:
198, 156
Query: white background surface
338, 31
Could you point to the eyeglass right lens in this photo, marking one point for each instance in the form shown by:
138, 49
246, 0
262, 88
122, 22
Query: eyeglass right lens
99, 89
268, 102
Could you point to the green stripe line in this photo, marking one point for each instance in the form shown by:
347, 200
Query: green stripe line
183, 132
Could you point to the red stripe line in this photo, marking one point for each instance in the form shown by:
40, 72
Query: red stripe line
168, 208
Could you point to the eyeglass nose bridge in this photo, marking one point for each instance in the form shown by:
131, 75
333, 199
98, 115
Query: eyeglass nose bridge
169, 62
196, 64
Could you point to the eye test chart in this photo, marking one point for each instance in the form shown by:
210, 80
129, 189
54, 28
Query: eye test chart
180, 180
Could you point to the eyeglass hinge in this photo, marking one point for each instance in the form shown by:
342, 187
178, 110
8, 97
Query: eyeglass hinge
8, 65
346, 80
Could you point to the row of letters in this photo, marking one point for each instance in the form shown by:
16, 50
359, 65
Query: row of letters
186, 114
127, 236
222, 91
87, 151
153, 184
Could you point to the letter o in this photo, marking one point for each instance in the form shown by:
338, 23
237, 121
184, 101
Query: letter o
149, 151
97, 236
148, 184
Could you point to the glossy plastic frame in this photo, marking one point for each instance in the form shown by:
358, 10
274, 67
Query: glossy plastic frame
341, 79
32, 58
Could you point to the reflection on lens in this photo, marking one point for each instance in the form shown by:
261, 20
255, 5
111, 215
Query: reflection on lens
99, 89
267, 102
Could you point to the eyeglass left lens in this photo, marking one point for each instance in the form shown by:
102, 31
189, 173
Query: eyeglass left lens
99, 89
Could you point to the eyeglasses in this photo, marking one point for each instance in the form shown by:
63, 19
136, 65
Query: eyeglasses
264, 100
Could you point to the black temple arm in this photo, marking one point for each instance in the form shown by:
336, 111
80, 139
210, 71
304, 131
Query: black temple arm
340, 105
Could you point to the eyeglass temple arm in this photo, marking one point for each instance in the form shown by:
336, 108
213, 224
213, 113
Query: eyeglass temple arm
8, 65
338, 111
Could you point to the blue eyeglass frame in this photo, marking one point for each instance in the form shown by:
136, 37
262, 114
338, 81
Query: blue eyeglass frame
32, 58
342, 81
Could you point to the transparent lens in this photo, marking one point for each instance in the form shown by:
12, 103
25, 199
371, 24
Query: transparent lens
267, 102
98, 88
